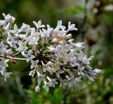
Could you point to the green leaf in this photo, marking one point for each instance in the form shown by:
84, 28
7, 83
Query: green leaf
81, 9
75, 10
58, 94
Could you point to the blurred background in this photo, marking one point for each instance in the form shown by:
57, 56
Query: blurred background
94, 20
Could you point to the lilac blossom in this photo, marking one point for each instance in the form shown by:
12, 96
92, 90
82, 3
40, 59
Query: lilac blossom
53, 55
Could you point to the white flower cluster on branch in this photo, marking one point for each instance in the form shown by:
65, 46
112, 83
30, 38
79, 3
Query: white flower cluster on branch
54, 57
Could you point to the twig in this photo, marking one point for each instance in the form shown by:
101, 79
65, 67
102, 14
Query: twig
14, 58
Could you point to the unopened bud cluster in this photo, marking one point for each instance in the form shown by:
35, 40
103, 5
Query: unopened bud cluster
53, 56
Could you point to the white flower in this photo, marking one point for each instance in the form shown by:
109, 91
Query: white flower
46, 67
51, 48
46, 86
3, 48
34, 64
71, 27
9, 18
22, 46
52, 82
3, 65
29, 56
60, 26
80, 71
55, 40
60, 51
32, 73
15, 31
7, 27
68, 36
50, 33
12, 41
2, 22
39, 24
5, 74
87, 60
43, 39
24, 28
33, 38
74, 62
41, 77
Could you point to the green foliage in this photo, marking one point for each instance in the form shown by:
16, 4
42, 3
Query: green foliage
75, 10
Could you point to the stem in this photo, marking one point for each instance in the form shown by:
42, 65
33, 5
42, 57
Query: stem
70, 67
15, 58
17, 54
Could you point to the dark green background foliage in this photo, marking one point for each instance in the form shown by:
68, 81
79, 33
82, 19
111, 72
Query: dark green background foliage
94, 19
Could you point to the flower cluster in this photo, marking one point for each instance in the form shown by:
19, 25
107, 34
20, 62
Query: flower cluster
52, 53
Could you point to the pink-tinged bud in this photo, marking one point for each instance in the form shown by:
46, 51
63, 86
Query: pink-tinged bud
98, 71
32, 73
37, 88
